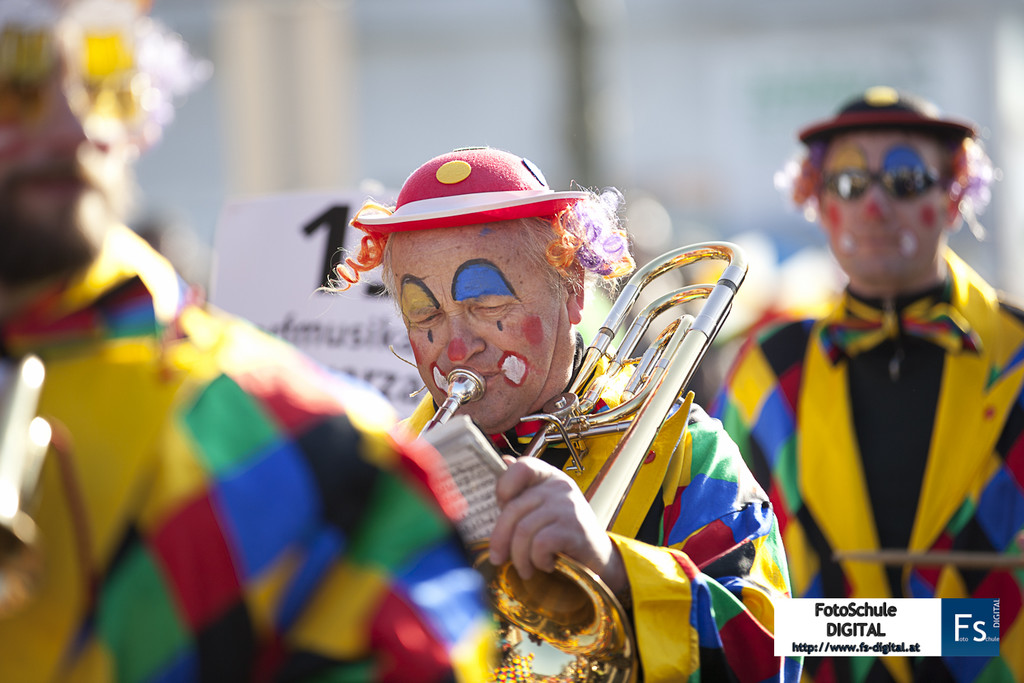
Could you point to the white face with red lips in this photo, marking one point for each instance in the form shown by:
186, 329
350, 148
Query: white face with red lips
888, 245
470, 300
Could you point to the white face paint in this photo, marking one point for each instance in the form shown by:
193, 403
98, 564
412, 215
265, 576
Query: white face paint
440, 380
908, 243
514, 369
846, 243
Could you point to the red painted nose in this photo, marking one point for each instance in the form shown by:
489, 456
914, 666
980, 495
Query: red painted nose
457, 350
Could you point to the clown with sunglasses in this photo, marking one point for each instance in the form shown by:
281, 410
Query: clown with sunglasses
889, 432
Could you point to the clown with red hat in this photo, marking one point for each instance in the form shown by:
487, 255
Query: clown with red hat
489, 267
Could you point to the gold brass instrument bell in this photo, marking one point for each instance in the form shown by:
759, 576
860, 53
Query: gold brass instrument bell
24, 438
571, 609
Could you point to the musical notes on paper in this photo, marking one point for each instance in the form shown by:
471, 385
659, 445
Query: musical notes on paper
474, 466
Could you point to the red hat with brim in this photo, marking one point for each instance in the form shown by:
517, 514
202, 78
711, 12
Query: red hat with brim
884, 107
467, 187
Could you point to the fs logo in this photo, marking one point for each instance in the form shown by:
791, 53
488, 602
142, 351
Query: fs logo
970, 627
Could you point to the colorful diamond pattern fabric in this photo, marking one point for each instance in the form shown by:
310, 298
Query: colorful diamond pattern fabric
981, 510
246, 529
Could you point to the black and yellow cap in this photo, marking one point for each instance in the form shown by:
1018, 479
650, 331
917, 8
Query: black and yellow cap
885, 107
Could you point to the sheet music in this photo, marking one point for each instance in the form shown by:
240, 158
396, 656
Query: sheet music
474, 465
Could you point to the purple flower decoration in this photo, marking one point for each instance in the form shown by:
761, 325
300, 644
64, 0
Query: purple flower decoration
980, 175
604, 246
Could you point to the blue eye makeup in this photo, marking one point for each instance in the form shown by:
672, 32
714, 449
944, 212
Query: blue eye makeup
478, 278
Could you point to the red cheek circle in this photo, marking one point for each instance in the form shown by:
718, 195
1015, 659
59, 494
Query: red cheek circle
457, 350
416, 354
832, 211
928, 216
533, 330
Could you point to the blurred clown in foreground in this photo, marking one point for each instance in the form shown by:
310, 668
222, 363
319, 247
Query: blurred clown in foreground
213, 505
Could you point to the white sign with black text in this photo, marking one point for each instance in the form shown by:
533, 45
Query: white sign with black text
273, 254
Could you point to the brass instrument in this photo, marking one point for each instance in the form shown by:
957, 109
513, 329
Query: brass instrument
571, 609
24, 438
464, 385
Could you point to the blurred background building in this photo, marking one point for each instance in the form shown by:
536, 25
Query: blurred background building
688, 106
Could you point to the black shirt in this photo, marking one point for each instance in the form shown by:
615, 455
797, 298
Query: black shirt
894, 393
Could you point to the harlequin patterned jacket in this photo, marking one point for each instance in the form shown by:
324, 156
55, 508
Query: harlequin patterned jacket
701, 547
217, 508
786, 402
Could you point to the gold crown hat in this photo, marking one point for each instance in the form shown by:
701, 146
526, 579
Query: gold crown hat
148, 66
469, 186
127, 68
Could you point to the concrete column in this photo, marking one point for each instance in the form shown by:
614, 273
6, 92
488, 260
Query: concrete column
1008, 240
285, 69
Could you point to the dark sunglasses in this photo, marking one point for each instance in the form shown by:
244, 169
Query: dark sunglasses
901, 183
904, 175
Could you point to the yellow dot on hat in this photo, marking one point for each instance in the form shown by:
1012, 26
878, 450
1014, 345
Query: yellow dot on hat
453, 172
881, 96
